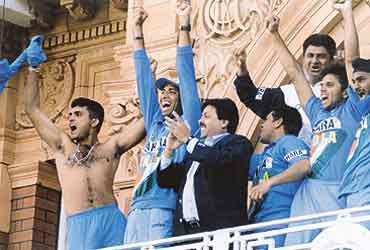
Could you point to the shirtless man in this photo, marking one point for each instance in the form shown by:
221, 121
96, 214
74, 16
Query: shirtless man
86, 168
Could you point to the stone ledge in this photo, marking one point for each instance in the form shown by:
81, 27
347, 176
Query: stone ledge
27, 174
88, 33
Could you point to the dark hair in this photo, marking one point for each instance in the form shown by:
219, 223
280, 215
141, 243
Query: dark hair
321, 40
95, 109
292, 120
225, 110
361, 65
339, 70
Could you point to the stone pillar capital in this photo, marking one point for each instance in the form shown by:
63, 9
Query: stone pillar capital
27, 174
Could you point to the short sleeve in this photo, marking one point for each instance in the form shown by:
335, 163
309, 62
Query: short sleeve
294, 150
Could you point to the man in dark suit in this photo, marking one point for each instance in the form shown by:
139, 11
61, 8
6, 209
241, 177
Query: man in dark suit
211, 181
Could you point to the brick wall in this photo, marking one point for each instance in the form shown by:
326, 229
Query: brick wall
4, 237
34, 218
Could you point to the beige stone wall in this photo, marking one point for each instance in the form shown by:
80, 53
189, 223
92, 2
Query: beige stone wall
93, 58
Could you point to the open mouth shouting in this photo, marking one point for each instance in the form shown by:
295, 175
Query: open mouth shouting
166, 106
315, 69
73, 128
324, 99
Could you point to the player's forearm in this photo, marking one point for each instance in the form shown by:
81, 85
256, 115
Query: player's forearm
351, 41
294, 173
292, 68
32, 95
138, 37
184, 34
243, 69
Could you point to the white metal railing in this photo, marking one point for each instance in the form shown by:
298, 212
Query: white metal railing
341, 229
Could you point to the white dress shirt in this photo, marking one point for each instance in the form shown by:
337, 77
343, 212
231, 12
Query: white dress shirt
292, 100
189, 205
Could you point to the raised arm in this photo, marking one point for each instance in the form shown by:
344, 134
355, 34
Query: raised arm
260, 100
190, 100
144, 76
351, 43
138, 34
183, 10
43, 125
288, 61
130, 137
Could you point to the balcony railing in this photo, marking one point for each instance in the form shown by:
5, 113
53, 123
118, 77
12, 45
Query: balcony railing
341, 230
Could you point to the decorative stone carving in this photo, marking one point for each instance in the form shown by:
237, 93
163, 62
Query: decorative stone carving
56, 89
225, 21
123, 113
44, 12
80, 9
120, 4
220, 28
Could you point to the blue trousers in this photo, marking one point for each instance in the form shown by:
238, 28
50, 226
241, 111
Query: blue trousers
148, 224
312, 197
96, 228
359, 199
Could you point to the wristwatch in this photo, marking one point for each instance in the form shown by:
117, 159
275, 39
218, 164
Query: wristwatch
185, 27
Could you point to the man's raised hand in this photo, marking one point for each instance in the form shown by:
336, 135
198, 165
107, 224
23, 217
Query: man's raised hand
240, 57
140, 16
178, 127
183, 8
272, 24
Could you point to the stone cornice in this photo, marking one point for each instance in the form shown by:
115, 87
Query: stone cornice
26, 174
92, 32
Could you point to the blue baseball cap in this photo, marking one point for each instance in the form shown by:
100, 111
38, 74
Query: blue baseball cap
162, 82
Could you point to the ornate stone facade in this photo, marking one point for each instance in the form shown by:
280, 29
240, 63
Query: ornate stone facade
93, 58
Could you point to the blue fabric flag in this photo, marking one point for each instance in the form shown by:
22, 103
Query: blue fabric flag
33, 54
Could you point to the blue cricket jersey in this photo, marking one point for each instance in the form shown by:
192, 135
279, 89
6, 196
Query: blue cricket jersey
357, 173
334, 132
147, 193
275, 159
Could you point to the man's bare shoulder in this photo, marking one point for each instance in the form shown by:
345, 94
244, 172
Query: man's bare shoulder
109, 147
65, 144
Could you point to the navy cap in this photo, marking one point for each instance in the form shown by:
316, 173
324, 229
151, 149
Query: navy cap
360, 64
162, 82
